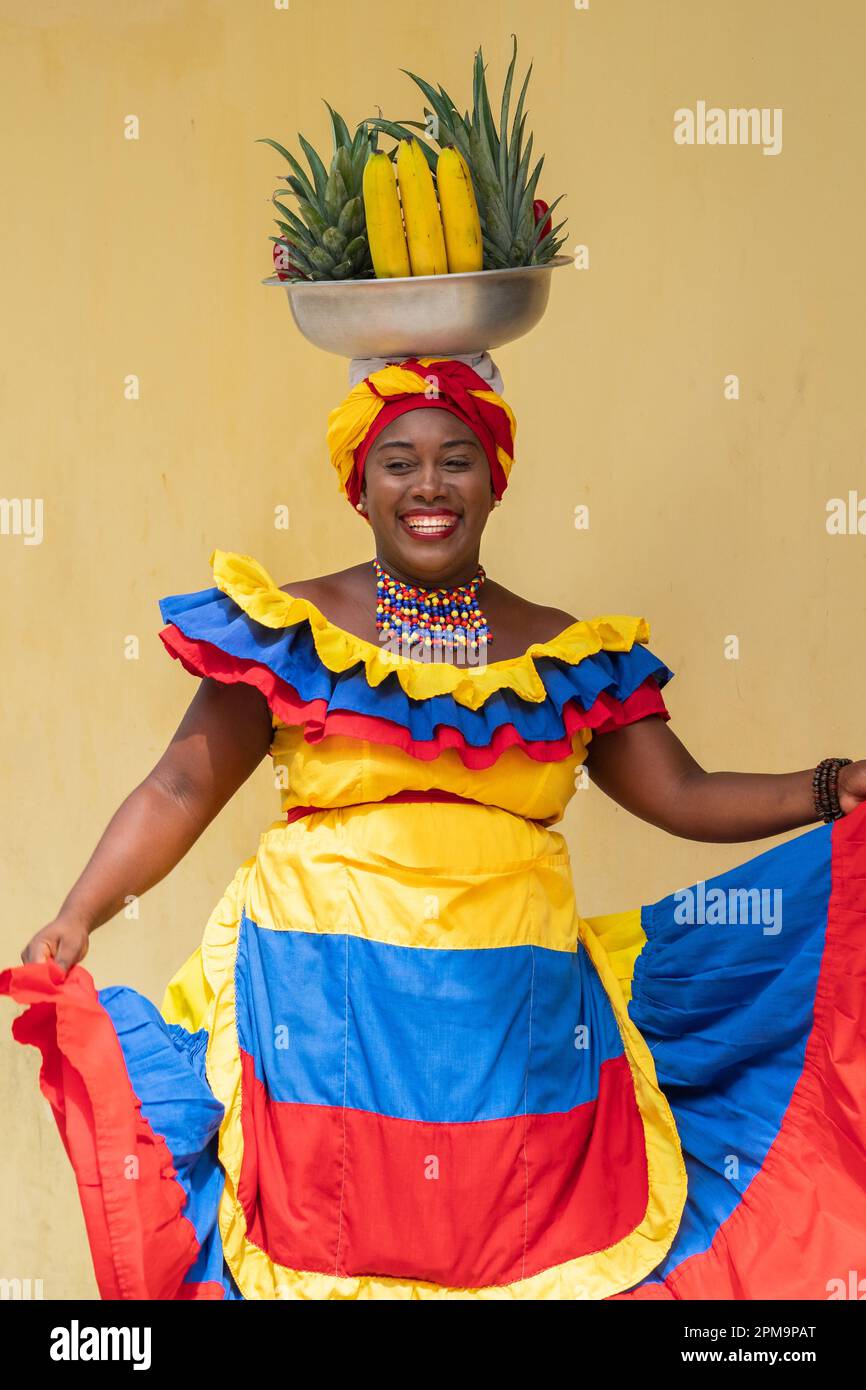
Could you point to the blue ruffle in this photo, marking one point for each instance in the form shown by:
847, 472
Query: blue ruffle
166, 1068
727, 1010
208, 615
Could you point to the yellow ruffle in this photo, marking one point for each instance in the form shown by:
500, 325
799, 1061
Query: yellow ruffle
622, 938
250, 586
341, 770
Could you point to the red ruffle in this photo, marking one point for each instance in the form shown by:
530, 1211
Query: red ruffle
606, 714
141, 1242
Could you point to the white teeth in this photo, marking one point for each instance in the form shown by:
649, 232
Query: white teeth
418, 525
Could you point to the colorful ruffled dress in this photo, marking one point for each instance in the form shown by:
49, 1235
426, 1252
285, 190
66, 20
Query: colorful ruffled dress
402, 1065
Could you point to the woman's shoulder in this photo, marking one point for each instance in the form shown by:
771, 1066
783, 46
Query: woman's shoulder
540, 622
324, 585
345, 598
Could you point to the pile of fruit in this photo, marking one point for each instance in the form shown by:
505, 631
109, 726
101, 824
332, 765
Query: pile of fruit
413, 211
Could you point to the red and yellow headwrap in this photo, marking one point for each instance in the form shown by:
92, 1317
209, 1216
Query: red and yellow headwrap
415, 383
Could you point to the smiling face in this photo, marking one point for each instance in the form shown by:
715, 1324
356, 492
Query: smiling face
427, 494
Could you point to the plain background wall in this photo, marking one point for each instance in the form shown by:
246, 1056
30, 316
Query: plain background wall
707, 515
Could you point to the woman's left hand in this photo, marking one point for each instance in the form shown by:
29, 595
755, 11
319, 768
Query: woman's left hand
851, 785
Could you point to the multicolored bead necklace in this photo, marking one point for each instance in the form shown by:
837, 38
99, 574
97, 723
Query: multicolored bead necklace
446, 616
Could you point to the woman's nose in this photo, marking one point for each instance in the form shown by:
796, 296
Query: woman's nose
429, 483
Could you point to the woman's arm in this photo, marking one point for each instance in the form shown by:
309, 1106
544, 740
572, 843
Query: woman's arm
221, 739
645, 768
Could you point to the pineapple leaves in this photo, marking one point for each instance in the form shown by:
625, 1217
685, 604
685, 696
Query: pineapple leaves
521, 180
336, 195
358, 162
485, 113
300, 190
320, 173
543, 246
402, 132
525, 220
398, 128
452, 108
293, 227
292, 221
495, 212
326, 237
503, 128
548, 249
339, 130
517, 139
442, 107
281, 149
299, 173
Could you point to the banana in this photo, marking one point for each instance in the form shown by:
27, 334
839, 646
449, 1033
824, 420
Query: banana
426, 240
460, 220
384, 219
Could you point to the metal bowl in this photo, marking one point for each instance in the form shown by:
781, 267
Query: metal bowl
411, 315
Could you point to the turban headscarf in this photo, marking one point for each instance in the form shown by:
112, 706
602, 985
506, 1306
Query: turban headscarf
419, 383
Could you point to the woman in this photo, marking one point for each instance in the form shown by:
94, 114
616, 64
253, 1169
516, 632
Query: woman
401, 1064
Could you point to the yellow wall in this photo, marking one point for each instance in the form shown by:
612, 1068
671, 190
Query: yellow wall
706, 515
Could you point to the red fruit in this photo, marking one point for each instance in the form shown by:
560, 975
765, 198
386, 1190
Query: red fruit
540, 207
282, 263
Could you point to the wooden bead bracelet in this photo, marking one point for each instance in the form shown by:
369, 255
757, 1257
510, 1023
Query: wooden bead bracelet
825, 781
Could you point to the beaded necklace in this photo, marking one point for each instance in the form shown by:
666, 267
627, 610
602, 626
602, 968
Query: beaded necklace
446, 616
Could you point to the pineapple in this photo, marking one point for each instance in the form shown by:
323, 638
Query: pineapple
329, 239
499, 162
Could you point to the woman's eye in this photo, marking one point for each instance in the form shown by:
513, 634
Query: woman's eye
393, 465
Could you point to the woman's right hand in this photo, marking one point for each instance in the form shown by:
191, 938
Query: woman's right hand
64, 940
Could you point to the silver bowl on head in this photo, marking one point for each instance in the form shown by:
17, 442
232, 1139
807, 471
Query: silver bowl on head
414, 315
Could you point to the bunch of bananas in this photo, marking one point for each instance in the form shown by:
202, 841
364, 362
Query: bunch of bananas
514, 230
413, 232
